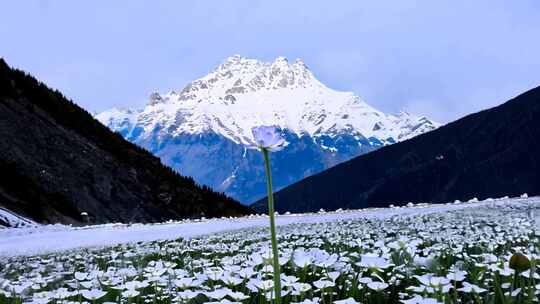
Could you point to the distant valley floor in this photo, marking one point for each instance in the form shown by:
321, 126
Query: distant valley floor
54, 238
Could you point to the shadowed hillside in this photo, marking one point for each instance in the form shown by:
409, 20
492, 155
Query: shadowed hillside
492, 153
57, 161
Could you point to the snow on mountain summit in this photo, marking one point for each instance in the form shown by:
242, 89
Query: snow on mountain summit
242, 93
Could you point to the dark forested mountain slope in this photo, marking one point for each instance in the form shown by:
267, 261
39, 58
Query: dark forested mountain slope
57, 161
492, 153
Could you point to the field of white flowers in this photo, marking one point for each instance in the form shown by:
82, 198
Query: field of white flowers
478, 253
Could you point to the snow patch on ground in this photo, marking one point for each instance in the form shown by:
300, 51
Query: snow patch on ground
9, 219
53, 238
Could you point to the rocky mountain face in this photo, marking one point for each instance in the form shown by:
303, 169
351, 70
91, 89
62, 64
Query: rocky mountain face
57, 161
493, 153
202, 130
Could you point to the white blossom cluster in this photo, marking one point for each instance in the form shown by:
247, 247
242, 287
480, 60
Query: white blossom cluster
460, 256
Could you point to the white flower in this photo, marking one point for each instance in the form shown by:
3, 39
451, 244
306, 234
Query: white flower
40, 298
288, 280
423, 261
377, 286
320, 284
184, 283
308, 301
230, 280
432, 281
18, 289
218, 294
333, 275
431, 284
187, 295
420, 300
130, 293
371, 261
324, 259
364, 280
246, 273
301, 287
87, 284
527, 274
214, 273
268, 137
302, 259
506, 271
346, 301
134, 285
238, 296
263, 285
80, 276
93, 294
457, 275
468, 288
63, 293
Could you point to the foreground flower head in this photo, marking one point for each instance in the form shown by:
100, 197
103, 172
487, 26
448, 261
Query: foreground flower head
268, 137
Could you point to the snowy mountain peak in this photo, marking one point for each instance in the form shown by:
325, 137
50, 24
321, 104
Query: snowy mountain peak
281, 62
155, 98
250, 74
202, 130
242, 93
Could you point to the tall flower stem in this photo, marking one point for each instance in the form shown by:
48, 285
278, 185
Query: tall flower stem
275, 255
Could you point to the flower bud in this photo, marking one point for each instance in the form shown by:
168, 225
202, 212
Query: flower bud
519, 262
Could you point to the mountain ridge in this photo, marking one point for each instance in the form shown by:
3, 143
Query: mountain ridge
492, 153
227, 88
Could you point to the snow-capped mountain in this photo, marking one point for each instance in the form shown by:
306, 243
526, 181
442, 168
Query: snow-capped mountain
202, 130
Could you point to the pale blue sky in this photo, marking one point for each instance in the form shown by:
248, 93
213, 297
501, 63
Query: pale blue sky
439, 58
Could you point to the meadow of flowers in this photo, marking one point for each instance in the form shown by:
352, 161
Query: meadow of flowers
473, 255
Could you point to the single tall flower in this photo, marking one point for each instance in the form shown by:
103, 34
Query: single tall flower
268, 139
